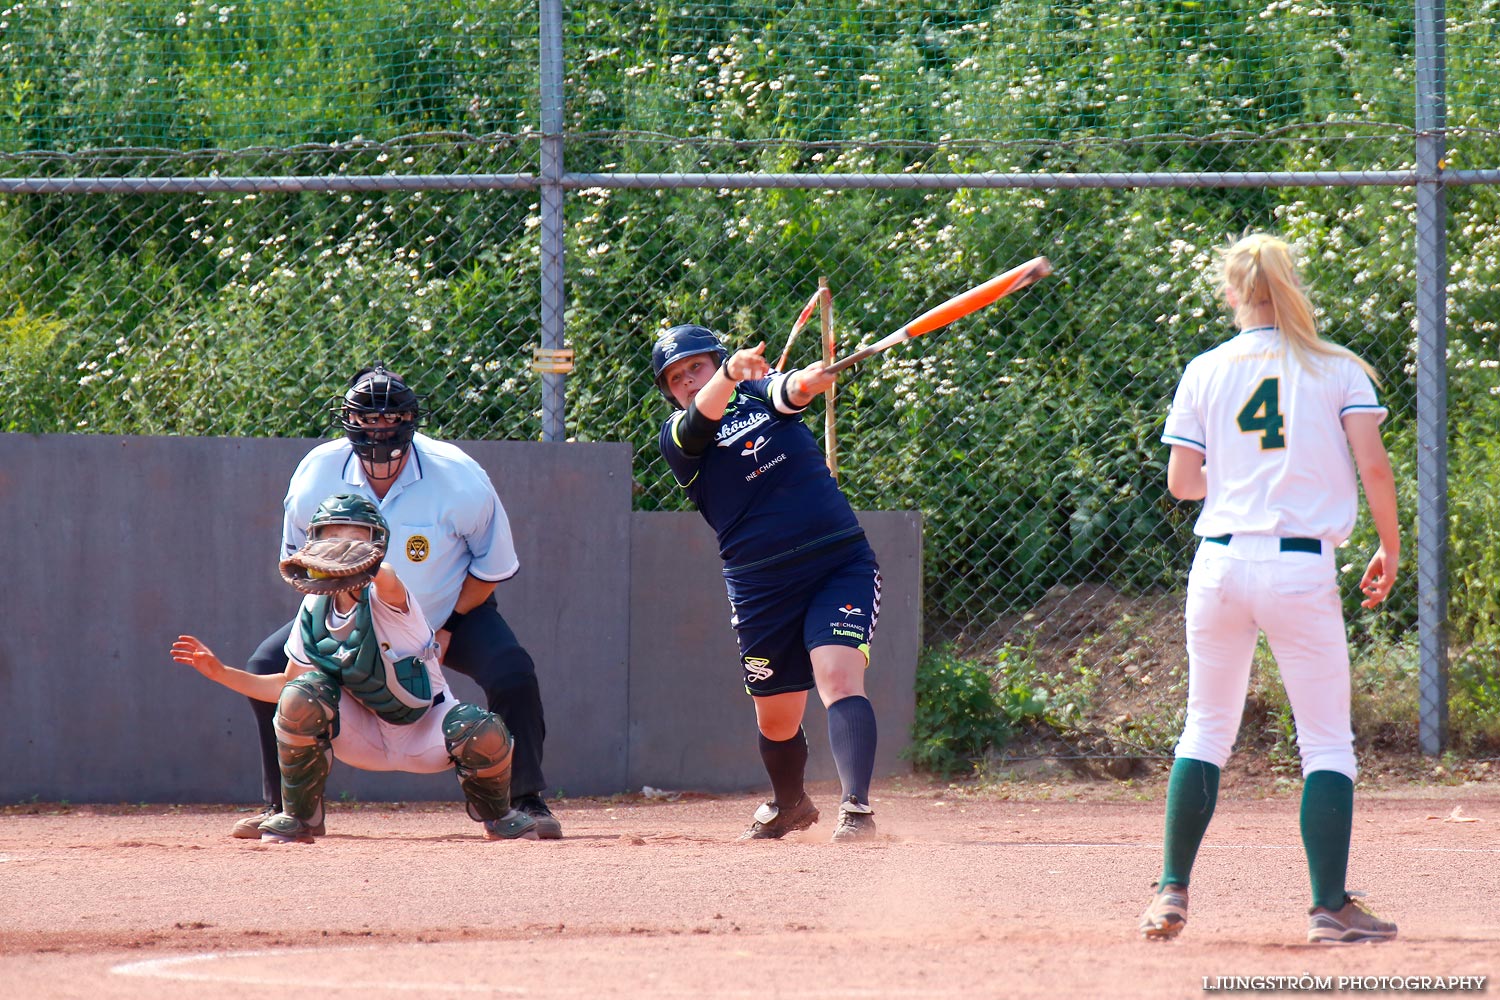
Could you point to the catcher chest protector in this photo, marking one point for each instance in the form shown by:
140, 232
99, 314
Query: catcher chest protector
399, 691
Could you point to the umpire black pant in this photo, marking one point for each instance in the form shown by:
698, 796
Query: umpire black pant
483, 648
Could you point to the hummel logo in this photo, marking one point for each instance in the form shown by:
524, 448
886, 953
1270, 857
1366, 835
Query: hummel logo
758, 668
752, 448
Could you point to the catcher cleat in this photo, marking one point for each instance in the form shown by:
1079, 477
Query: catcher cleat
772, 822
514, 825
1166, 916
1350, 923
248, 827
547, 826
856, 821
286, 829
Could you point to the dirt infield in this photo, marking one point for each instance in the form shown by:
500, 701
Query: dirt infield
966, 895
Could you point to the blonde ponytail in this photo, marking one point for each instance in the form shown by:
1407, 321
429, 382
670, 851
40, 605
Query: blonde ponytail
1263, 273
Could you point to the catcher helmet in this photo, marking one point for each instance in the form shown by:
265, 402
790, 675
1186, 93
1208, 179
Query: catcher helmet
683, 342
376, 392
350, 508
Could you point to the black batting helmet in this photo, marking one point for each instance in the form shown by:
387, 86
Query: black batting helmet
683, 342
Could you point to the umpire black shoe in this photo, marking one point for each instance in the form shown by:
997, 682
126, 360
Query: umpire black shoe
773, 822
547, 826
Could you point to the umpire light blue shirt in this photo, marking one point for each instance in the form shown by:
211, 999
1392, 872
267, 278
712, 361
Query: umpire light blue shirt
446, 520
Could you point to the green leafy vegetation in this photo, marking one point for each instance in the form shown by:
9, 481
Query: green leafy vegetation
967, 708
1027, 435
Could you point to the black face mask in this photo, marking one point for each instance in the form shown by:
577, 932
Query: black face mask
380, 446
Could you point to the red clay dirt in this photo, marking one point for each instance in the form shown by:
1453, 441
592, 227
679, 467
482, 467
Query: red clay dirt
967, 894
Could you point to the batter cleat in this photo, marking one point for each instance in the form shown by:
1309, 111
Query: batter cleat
547, 826
1350, 923
856, 821
248, 827
514, 825
772, 822
1166, 915
284, 828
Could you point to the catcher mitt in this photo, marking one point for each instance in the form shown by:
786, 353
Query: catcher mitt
332, 565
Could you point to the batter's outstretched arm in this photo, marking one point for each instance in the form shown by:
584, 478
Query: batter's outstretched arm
1379, 481
743, 365
192, 651
806, 384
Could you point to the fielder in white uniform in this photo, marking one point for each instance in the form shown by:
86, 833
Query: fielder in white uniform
1268, 430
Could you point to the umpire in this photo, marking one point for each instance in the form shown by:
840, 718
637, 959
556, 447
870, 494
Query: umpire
450, 543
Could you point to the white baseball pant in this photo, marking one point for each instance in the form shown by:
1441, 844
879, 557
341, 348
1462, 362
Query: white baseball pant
370, 744
1248, 586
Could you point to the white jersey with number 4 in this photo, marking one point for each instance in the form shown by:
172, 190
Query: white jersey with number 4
1272, 436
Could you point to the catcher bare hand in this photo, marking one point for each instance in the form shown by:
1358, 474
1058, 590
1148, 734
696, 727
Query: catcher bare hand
332, 565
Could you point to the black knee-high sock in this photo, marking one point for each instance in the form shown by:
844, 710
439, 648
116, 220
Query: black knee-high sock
851, 734
786, 763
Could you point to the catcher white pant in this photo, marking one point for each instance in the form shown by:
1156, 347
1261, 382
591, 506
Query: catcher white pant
371, 744
1248, 586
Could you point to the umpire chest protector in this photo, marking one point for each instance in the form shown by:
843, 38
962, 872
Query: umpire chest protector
399, 691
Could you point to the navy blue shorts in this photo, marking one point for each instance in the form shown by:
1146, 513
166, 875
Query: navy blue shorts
830, 597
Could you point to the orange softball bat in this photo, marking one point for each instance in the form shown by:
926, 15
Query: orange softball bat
955, 308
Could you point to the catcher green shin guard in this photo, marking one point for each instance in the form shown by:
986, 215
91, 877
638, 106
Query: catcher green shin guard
481, 751
304, 726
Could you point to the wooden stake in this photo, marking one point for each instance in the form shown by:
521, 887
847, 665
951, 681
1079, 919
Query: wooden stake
830, 436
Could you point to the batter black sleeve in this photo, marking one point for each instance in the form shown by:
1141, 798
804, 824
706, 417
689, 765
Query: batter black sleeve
695, 432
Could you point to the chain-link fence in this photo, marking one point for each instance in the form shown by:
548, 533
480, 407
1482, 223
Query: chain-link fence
212, 212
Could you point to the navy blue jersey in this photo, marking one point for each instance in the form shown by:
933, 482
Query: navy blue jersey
763, 485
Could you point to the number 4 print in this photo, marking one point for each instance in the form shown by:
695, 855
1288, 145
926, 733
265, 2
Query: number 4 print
1262, 414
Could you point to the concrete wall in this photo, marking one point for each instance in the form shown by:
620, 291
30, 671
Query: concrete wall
121, 543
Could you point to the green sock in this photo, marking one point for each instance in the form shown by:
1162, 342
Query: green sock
1192, 793
1327, 819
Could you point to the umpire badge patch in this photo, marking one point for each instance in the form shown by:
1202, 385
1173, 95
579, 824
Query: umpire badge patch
417, 548
757, 668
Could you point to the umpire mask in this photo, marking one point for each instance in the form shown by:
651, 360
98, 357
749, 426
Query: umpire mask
379, 414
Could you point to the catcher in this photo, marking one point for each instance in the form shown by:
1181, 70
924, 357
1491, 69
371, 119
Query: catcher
362, 682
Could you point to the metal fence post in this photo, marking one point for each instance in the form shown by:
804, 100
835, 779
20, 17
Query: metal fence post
1432, 379
552, 291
